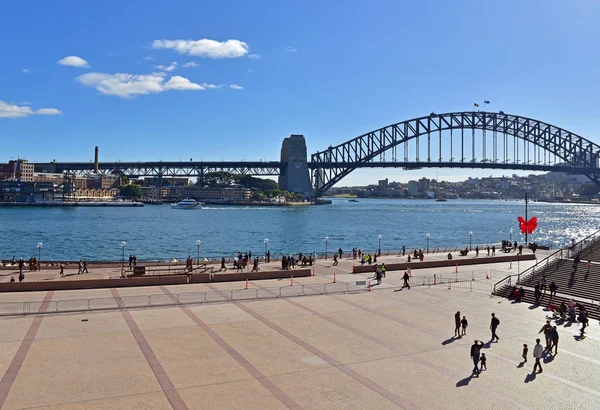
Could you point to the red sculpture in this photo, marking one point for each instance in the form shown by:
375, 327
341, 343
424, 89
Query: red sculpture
527, 226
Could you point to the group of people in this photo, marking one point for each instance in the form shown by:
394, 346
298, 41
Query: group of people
368, 258
417, 254
132, 261
479, 359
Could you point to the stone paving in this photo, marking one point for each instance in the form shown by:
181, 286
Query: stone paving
380, 349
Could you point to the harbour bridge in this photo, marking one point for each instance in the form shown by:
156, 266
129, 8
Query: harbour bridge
472, 139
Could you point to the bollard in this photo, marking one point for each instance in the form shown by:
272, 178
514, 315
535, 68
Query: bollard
368, 286
334, 277
291, 280
434, 279
472, 276
313, 271
456, 271
487, 276
246, 283
410, 271
510, 267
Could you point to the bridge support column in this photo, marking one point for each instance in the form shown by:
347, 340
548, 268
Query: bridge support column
294, 175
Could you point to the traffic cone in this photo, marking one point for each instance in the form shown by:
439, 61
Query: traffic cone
456, 271
510, 267
410, 271
333, 277
313, 271
368, 286
292, 280
434, 279
246, 283
486, 276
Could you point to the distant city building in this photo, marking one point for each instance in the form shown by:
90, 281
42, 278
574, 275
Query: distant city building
383, 183
17, 170
174, 193
413, 187
424, 184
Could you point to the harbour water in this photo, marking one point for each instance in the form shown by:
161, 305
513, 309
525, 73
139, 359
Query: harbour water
159, 232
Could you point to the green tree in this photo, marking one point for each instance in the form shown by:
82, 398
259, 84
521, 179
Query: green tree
130, 191
219, 178
258, 196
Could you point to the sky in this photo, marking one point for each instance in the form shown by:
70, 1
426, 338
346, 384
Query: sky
213, 80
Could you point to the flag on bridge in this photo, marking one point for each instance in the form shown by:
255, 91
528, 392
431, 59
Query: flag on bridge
476, 105
486, 101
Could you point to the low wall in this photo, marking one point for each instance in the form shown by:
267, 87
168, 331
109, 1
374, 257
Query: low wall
442, 263
148, 281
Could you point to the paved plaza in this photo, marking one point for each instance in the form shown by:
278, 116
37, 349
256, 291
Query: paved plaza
380, 349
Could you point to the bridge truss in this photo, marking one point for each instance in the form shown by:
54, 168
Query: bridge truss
473, 139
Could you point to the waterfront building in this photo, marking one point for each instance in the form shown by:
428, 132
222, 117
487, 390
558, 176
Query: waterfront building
17, 170
413, 187
21, 191
424, 184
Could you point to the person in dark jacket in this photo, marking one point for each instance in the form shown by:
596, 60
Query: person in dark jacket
475, 353
406, 278
457, 324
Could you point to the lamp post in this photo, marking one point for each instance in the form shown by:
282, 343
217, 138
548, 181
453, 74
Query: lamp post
266, 241
123, 243
427, 236
379, 249
470, 240
198, 242
39, 246
326, 239
511, 231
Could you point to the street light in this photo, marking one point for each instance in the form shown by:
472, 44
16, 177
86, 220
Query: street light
470, 239
123, 243
39, 246
379, 238
198, 242
266, 241
511, 231
427, 236
326, 239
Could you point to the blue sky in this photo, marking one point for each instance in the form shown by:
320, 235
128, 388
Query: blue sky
328, 70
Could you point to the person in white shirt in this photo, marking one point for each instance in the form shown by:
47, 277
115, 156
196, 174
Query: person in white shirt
538, 352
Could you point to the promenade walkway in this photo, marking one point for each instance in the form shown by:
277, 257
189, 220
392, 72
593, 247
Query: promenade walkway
380, 349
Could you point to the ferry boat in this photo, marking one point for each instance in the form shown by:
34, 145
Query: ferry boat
187, 204
353, 200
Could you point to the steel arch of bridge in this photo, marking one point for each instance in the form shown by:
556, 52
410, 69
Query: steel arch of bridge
572, 153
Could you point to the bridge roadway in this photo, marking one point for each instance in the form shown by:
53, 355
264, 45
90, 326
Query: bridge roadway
273, 168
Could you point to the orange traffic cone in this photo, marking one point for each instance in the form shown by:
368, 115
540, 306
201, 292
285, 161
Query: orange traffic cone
292, 280
434, 279
369, 286
486, 276
456, 268
246, 283
333, 277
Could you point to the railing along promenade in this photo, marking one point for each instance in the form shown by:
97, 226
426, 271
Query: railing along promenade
230, 295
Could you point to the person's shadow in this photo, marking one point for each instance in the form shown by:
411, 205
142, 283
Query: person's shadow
452, 339
548, 358
530, 377
521, 364
464, 382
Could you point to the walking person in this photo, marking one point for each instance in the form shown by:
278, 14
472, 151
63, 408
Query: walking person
475, 351
493, 250
483, 361
85, 269
538, 352
457, 324
130, 261
553, 288
488, 250
335, 259
493, 326
21, 264
477, 251
524, 355
583, 320
405, 278
223, 267
341, 252
464, 325
62, 271
554, 339
80, 267
543, 284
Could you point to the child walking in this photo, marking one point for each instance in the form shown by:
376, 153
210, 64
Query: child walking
483, 361
525, 350
464, 325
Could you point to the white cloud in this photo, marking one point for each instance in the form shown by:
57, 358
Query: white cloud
190, 64
179, 83
254, 56
168, 68
148, 58
73, 61
291, 49
12, 111
236, 87
48, 111
212, 86
130, 85
26, 70
205, 47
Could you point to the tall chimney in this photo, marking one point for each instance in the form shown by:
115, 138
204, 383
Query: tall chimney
96, 160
